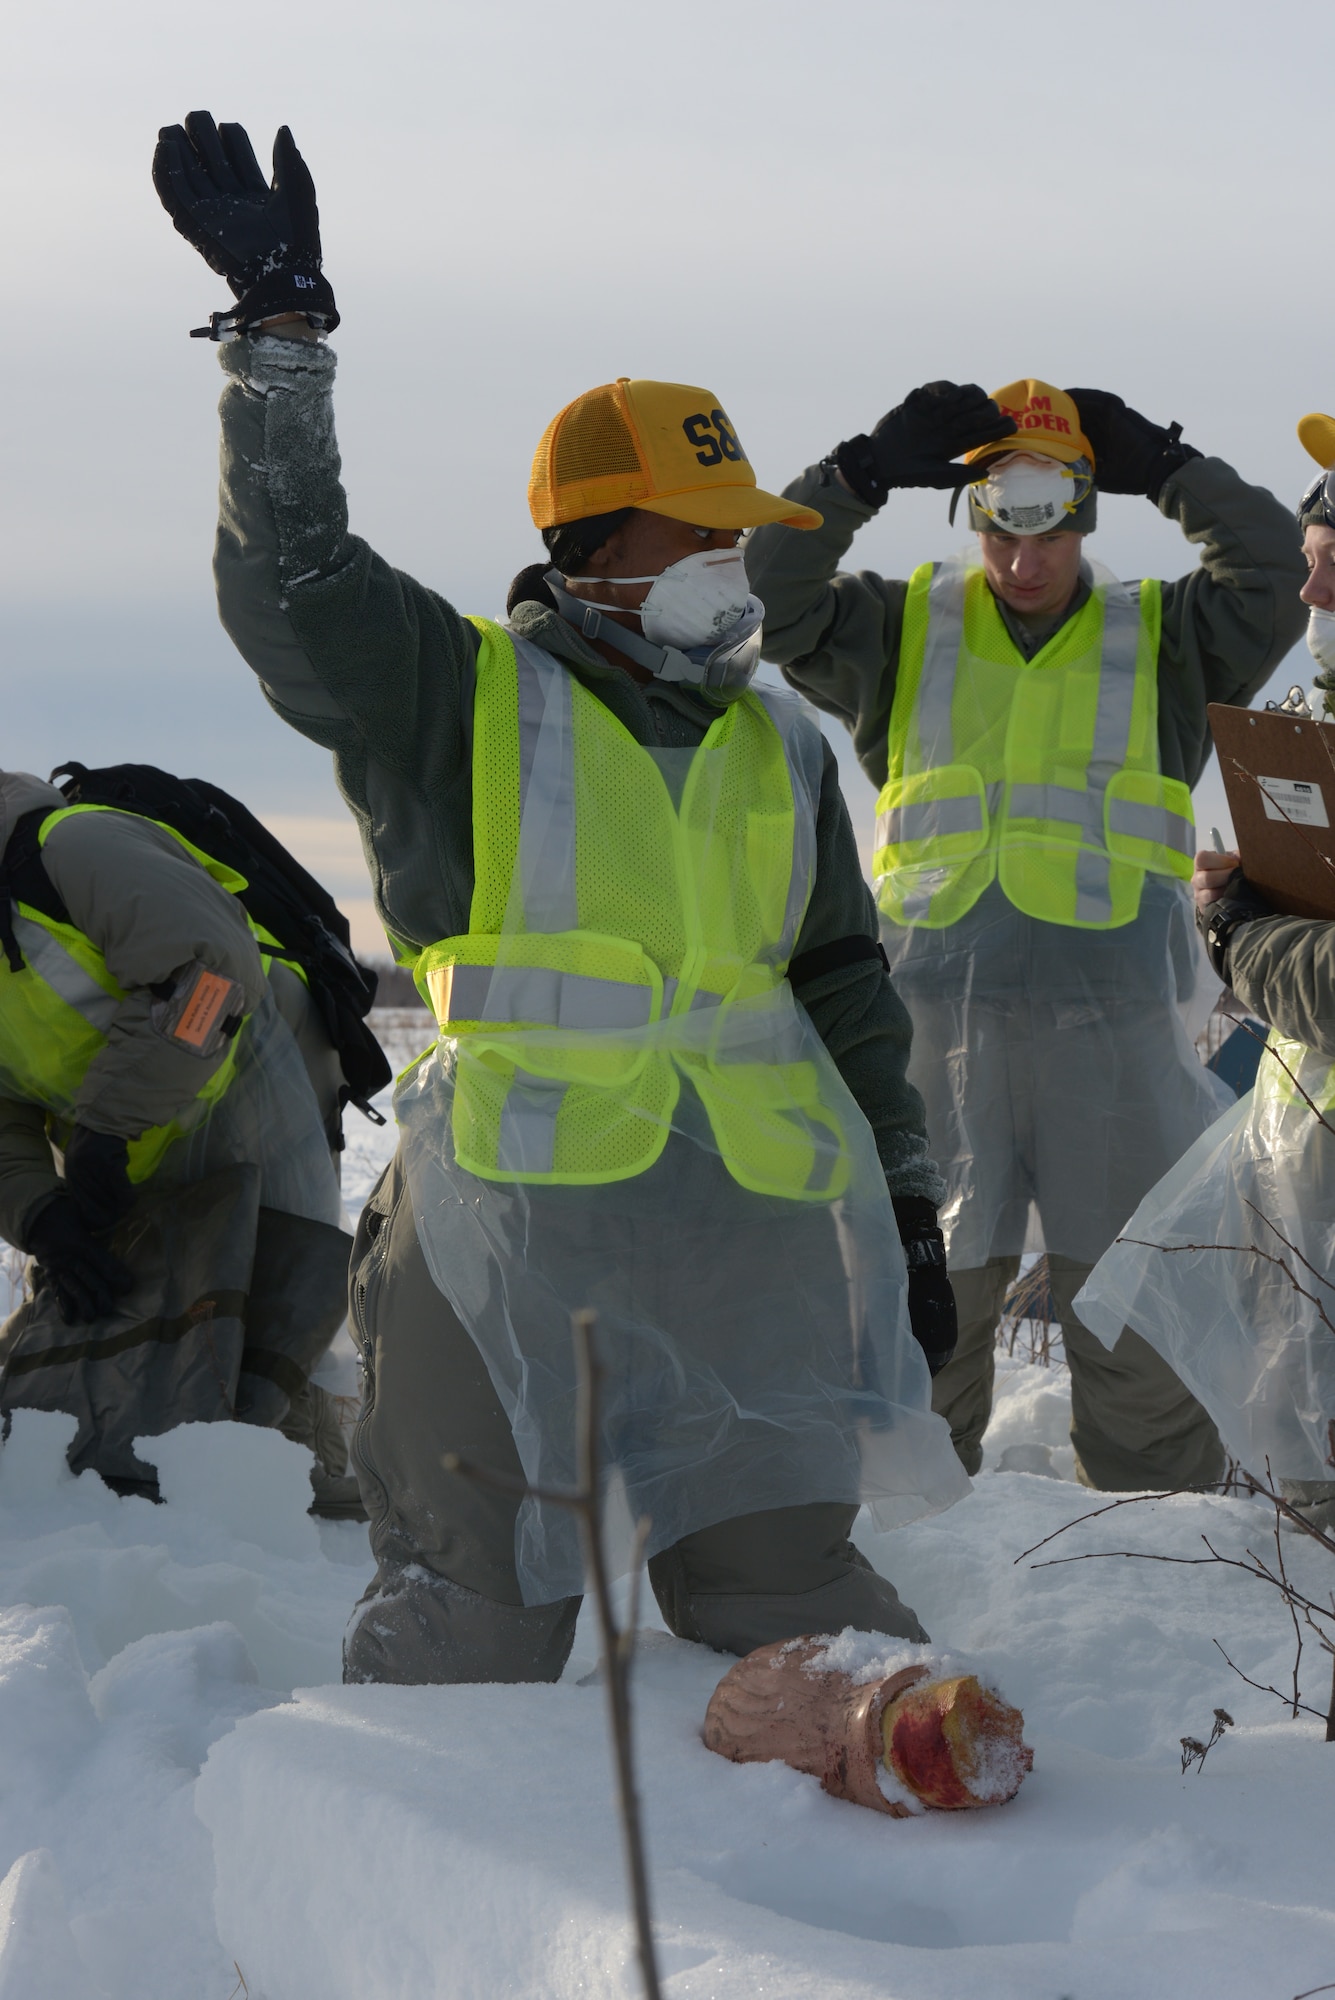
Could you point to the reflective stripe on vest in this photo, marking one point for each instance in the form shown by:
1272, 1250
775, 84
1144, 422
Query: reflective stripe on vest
603, 913
63, 973
1042, 772
56, 1015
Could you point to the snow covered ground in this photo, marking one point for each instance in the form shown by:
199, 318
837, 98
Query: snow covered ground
191, 1806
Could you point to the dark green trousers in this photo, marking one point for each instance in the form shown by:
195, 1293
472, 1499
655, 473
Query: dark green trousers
445, 1603
1133, 1424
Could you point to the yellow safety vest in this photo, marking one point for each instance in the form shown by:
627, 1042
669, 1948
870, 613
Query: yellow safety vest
619, 940
1041, 773
56, 1013
1290, 1074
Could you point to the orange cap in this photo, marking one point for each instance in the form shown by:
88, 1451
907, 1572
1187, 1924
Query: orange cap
1047, 422
662, 446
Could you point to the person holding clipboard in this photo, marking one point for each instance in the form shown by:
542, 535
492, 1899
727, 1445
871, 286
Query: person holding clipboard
1244, 1315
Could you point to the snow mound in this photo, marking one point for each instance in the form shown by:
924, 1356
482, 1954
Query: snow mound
131, 1638
463, 1842
38, 1956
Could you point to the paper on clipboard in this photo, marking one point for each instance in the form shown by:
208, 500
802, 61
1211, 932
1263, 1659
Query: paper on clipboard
1293, 801
1279, 775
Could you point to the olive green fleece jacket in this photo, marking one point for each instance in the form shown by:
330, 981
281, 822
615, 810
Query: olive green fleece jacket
380, 670
1226, 625
152, 911
1283, 970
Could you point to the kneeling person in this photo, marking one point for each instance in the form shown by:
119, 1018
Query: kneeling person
163, 1156
669, 1084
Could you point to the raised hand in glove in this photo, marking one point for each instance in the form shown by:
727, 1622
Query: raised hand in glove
263, 238
97, 1176
87, 1280
931, 1301
1131, 455
914, 444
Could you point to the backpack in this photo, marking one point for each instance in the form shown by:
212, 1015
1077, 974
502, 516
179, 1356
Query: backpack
281, 897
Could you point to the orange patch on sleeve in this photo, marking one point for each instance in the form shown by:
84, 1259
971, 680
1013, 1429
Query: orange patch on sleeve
200, 1013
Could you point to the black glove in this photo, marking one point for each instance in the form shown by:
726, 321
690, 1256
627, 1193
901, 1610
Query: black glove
931, 1301
96, 1174
265, 240
914, 444
87, 1280
1131, 455
1239, 904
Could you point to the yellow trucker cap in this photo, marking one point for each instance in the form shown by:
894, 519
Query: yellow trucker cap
1046, 422
662, 446
1316, 435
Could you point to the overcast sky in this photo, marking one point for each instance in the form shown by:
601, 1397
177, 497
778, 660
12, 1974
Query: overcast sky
808, 209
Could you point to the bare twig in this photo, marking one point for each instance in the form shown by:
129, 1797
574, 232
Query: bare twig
1237, 1250
1287, 1594
1262, 1687
617, 1646
241, 1986
1127, 1500
1304, 1611
1289, 1245
1315, 1989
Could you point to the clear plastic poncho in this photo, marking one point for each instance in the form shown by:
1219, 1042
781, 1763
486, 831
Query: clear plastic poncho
757, 1348
1227, 1269
268, 1116
1057, 1066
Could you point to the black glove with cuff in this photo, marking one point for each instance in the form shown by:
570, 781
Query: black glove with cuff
87, 1280
97, 1176
914, 444
931, 1301
1240, 904
264, 239
1131, 455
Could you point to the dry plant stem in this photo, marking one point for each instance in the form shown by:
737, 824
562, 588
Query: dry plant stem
1315, 1989
1299, 1606
1286, 1592
1264, 1687
1111, 1506
617, 1647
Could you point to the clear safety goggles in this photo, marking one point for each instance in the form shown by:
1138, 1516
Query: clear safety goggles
1321, 493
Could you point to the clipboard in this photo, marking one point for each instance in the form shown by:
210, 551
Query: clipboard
1279, 776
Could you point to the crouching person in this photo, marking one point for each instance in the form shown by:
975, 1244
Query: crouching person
1228, 1266
164, 1160
670, 1079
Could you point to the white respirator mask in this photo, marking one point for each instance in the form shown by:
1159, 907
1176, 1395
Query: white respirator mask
1321, 638
700, 623
1029, 495
694, 602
